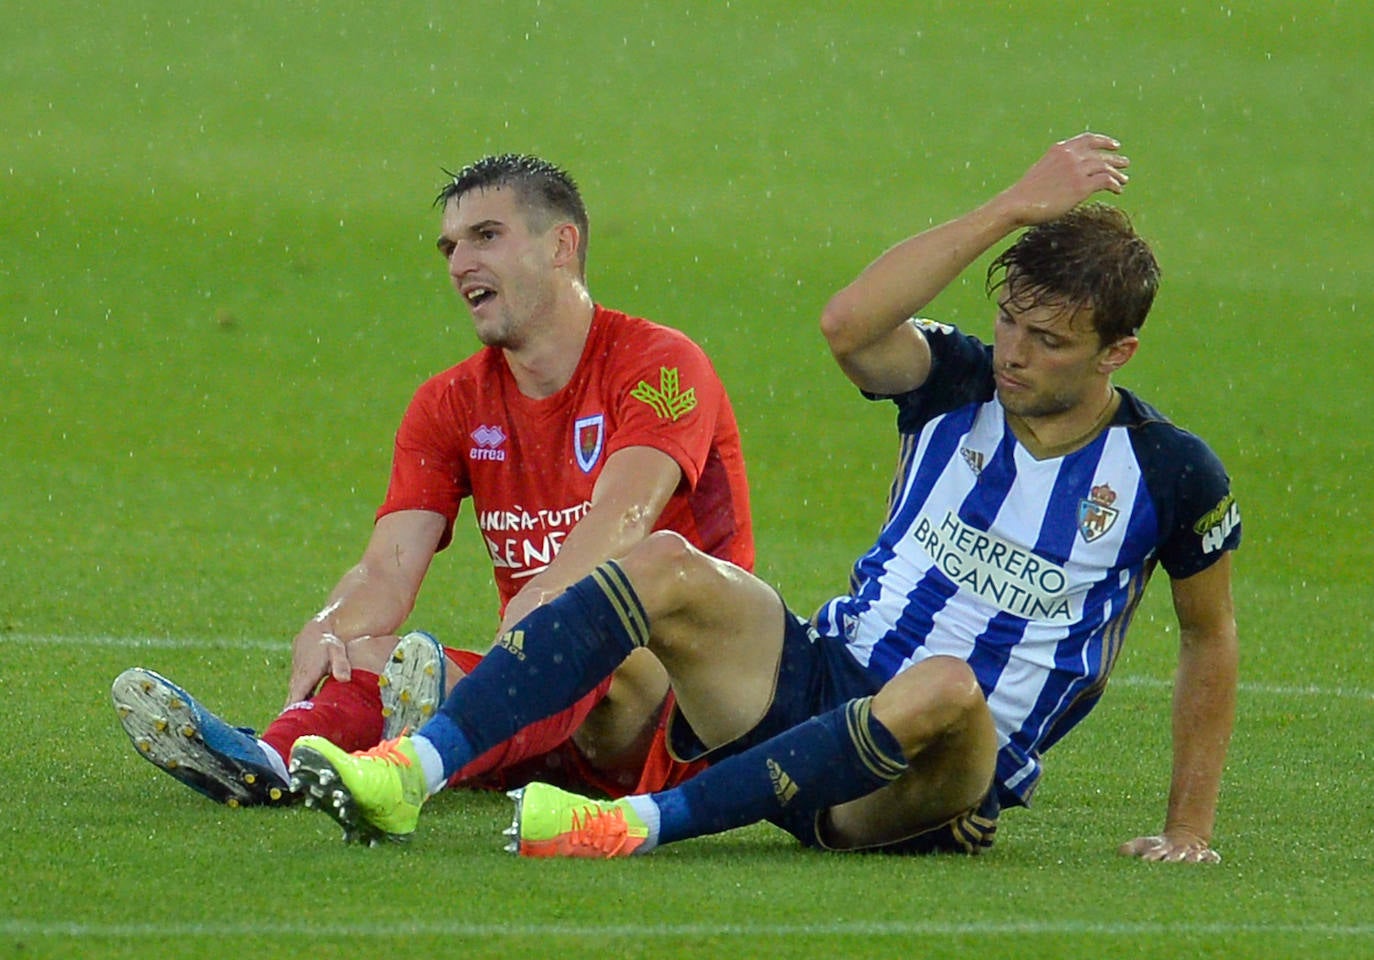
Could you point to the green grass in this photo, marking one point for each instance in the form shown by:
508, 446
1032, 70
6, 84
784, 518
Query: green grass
217, 290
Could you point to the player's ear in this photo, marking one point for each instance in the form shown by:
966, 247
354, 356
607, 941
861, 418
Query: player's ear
567, 243
1115, 355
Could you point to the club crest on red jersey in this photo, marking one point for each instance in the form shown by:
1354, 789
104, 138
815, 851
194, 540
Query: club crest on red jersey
589, 436
1096, 513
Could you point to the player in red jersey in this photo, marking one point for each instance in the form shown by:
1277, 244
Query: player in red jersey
576, 431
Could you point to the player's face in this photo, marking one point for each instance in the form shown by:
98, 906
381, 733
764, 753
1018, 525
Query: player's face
501, 268
1048, 362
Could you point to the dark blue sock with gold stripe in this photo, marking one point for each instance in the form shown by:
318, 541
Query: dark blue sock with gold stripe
541, 666
839, 756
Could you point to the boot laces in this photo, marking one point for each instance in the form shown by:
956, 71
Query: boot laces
388, 751
600, 829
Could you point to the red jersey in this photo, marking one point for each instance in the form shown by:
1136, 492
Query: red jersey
529, 465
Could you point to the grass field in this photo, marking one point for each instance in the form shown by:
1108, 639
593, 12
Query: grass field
218, 289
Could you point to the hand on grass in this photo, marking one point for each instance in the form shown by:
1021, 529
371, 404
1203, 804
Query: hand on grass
1182, 847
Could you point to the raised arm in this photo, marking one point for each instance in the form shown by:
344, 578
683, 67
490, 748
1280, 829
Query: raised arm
371, 600
866, 323
1203, 714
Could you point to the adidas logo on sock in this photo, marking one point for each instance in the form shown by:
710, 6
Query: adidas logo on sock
513, 642
784, 787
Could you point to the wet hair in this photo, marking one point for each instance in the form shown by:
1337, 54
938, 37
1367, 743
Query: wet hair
1090, 257
546, 193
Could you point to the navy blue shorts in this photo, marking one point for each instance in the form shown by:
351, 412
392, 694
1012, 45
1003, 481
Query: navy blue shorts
817, 674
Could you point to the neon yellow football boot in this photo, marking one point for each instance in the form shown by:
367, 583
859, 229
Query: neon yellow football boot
550, 822
375, 794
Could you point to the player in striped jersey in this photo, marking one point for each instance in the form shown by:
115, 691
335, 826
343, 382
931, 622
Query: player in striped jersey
1033, 500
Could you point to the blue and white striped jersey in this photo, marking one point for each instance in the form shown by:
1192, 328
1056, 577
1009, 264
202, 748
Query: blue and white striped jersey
1028, 569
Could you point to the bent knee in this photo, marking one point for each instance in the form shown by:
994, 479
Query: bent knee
935, 698
956, 682
661, 565
660, 548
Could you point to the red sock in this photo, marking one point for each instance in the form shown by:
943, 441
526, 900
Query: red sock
535, 740
348, 715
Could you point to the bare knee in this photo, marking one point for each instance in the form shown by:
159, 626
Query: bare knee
933, 700
667, 572
660, 548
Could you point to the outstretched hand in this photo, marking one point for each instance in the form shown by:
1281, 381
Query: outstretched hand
1069, 172
1167, 848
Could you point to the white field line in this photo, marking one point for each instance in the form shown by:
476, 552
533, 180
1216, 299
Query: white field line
146, 643
1260, 689
456, 929
284, 646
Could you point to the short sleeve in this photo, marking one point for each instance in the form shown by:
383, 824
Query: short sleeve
668, 397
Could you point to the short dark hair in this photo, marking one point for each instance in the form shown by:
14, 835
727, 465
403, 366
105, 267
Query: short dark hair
544, 191
1090, 257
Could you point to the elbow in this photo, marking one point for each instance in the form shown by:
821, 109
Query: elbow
838, 326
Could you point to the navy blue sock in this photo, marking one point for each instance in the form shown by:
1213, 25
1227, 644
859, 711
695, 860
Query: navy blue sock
542, 665
839, 756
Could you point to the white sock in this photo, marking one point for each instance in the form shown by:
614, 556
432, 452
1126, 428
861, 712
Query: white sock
431, 763
643, 804
274, 760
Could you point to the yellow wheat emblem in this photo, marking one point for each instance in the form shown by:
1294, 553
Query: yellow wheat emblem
668, 400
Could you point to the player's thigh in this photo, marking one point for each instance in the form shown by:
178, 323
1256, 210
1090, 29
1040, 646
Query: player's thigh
717, 630
936, 710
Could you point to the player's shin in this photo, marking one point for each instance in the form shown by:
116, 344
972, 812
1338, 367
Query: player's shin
828, 760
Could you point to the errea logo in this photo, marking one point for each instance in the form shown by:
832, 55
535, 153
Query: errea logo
489, 441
